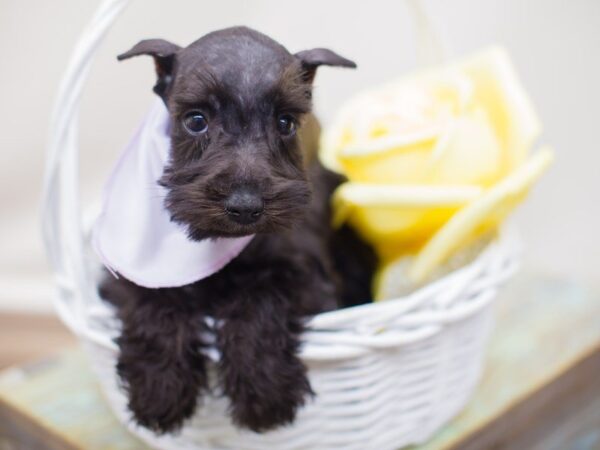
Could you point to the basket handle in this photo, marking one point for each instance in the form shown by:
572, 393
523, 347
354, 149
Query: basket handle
61, 218
430, 48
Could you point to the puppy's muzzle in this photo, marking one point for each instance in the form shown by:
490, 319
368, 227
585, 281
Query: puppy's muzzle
244, 206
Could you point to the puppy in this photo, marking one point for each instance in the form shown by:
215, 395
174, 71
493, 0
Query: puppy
243, 161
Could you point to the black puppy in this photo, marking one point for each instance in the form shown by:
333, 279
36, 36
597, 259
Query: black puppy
243, 161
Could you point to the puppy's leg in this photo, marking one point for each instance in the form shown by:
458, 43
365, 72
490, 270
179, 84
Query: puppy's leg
160, 363
355, 263
260, 371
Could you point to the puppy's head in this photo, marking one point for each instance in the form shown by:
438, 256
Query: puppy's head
237, 100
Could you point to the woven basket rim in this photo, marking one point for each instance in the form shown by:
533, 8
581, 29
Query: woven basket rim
349, 332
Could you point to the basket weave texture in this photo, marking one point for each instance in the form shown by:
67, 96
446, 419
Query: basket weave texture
386, 374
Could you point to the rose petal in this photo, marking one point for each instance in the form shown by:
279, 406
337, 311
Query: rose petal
498, 89
478, 217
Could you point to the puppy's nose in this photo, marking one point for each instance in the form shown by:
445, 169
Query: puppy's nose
244, 206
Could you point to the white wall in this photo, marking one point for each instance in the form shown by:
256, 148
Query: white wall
555, 44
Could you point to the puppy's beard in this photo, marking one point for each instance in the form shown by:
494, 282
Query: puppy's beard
270, 224
198, 234
202, 211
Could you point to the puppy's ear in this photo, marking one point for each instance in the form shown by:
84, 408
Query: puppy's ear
163, 53
311, 59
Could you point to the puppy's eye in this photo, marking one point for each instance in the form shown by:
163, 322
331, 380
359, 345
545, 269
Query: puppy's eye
286, 124
195, 122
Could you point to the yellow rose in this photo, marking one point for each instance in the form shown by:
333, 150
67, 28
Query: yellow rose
435, 159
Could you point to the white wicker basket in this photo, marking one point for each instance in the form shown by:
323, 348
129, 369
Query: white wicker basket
386, 375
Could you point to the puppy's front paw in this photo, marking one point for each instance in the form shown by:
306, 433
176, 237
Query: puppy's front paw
161, 413
267, 400
161, 395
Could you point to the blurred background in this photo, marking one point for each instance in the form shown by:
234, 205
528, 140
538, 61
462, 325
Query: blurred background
555, 46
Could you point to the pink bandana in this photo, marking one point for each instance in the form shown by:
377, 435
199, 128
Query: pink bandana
134, 235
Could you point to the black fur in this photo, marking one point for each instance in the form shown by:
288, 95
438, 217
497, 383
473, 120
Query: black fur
295, 267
